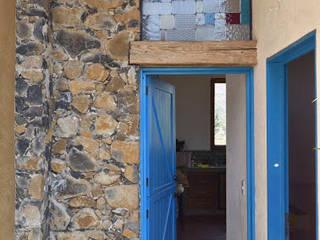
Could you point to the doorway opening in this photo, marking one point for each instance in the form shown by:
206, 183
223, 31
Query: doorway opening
197, 154
292, 167
301, 143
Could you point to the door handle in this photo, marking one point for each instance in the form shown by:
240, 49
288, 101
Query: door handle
243, 187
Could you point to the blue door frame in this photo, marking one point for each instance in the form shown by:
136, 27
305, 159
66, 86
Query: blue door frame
145, 73
277, 134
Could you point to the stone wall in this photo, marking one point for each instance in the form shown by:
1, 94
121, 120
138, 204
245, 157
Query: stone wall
32, 118
76, 120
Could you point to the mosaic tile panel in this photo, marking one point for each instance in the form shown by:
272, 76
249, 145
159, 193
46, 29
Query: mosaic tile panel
196, 20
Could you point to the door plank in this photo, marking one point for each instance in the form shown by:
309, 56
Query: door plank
167, 219
161, 164
160, 134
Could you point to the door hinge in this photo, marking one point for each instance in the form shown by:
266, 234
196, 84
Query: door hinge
147, 214
287, 231
147, 90
147, 182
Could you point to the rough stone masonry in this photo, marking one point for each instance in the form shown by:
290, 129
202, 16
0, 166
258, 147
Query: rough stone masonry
77, 120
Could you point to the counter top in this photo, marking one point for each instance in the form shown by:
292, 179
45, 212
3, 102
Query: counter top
210, 169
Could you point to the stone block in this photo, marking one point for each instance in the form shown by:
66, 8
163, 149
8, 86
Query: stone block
57, 166
73, 187
127, 152
59, 217
66, 16
31, 215
85, 219
75, 43
166, 22
88, 143
100, 21
105, 125
105, 101
97, 72
123, 196
106, 178
77, 87
80, 162
82, 202
36, 187
73, 69
104, 5
132, 174
115, 84
118, 46
67, 126
35, 76
81, 103
185, 21
78, 235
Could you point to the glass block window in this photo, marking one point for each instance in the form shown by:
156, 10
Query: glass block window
196, 20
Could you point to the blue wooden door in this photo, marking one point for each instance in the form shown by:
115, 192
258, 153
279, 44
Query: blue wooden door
278, 206
161, 185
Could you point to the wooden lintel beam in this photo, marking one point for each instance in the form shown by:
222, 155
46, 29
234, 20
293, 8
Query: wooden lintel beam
221, 53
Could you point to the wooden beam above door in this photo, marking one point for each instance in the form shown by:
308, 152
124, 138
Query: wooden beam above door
210, 53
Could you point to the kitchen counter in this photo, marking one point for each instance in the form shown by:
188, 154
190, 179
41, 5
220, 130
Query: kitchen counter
207, 189
210, 169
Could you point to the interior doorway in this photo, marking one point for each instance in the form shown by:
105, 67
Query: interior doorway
210, 156
179, 110
301, 142
292, 165
201, 132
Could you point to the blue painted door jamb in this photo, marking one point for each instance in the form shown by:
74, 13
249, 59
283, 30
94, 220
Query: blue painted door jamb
277, 135
147, 72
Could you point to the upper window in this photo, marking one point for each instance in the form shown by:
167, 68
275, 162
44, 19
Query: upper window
218, 113
194, 20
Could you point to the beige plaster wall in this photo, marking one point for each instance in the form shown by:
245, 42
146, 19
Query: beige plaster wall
276, 24
7, 58
192, 110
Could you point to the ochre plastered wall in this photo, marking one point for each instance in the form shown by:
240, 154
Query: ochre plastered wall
7, 56
276, 25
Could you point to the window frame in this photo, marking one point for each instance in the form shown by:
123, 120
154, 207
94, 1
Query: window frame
213, 146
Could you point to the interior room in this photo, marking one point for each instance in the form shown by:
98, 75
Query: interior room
301, 141
203, 155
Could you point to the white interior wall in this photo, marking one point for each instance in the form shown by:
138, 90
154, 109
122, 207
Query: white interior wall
192, 109
236, 157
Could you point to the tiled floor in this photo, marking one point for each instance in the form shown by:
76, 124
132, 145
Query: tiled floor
202, 228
